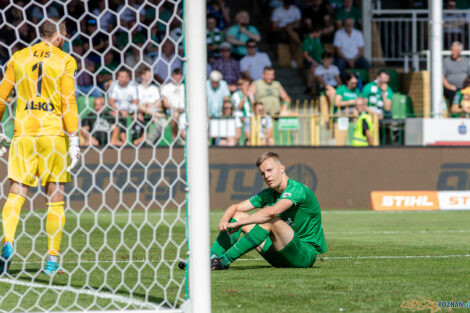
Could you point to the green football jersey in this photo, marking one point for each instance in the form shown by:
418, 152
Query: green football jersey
304, 216
373, 94
346, 95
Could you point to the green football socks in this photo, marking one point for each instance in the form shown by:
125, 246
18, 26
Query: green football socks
224, 241
251, 240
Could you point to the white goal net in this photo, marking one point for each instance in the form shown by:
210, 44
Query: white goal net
125, 208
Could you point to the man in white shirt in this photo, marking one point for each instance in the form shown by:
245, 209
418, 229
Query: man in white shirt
123, 100
149, 95
217, 93
286, 21
349, 46
166, 63
252, 65
173, 99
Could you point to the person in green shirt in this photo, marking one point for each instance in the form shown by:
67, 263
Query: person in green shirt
287, 230
461, 102
346, 95
379, 95
312, 49
348, 10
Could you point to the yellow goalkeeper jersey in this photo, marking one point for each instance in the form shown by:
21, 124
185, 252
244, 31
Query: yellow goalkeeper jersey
46, 104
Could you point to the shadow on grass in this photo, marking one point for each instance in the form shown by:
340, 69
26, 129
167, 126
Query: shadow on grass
45, 280
249, 267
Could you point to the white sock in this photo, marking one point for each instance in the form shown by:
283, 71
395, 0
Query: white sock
52, 258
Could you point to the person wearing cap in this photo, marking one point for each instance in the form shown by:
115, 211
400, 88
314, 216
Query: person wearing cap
227, 66
99, 40
217, 93
253, 64
461, 102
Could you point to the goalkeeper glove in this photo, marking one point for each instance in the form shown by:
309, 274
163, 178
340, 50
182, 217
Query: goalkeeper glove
3, 141
74, 151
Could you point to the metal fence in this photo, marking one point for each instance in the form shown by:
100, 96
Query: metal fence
398, 35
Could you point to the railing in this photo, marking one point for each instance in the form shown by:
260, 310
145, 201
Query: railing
397, 34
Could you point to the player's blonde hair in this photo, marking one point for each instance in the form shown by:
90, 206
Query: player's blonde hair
268, 155
50, 26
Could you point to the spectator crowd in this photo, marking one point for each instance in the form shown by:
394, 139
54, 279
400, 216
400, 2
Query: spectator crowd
130, 63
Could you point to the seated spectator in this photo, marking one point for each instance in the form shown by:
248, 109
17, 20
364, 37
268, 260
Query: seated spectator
363, 134
219, 9
253, 64
265, 128
217, 92
454, 24
327, 76
286, 22
461, 102
84, 80
227, 66
349, 45
313, 49
166, 63
378, 95
135, 56
317, 15
124, 102
229, 126
346, 95
270, 92
151, 105
97, 126
214, 37
173, 100
348, 10
106, 18
241, 99
455, 69
105, 74
149, 96
240, 33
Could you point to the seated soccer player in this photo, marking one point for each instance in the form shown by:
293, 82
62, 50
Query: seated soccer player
287, 230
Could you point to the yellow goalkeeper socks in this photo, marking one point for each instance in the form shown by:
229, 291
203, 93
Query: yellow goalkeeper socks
55, 223
11, 216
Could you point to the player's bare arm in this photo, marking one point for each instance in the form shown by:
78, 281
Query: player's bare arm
264, 215
243, 206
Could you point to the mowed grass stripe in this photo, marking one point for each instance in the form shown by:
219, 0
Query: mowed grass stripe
371, 265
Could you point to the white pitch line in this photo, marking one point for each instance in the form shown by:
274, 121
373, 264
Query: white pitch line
259, 259
397, 257
93, 293
399, 232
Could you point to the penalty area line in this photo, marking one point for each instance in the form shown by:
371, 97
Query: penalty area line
88, 292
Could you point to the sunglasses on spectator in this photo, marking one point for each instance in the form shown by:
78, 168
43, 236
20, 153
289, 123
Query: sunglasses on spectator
228, 108
251, 46
225, 50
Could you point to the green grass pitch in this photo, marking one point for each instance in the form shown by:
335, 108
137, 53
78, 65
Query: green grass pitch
375, 262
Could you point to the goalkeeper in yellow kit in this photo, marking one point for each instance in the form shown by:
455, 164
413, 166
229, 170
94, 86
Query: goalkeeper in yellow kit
46, 124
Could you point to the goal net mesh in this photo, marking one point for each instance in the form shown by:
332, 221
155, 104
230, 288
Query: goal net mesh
125, 211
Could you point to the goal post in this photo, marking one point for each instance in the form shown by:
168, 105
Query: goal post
132, 211
197, 156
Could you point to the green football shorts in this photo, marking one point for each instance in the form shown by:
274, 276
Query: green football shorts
296, 253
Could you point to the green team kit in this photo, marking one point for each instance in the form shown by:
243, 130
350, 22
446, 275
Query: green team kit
304, 217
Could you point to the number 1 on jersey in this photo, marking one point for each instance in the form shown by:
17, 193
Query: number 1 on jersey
38, 66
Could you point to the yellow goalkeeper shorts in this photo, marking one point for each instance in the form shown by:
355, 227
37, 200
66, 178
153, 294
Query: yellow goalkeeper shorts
38, 157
